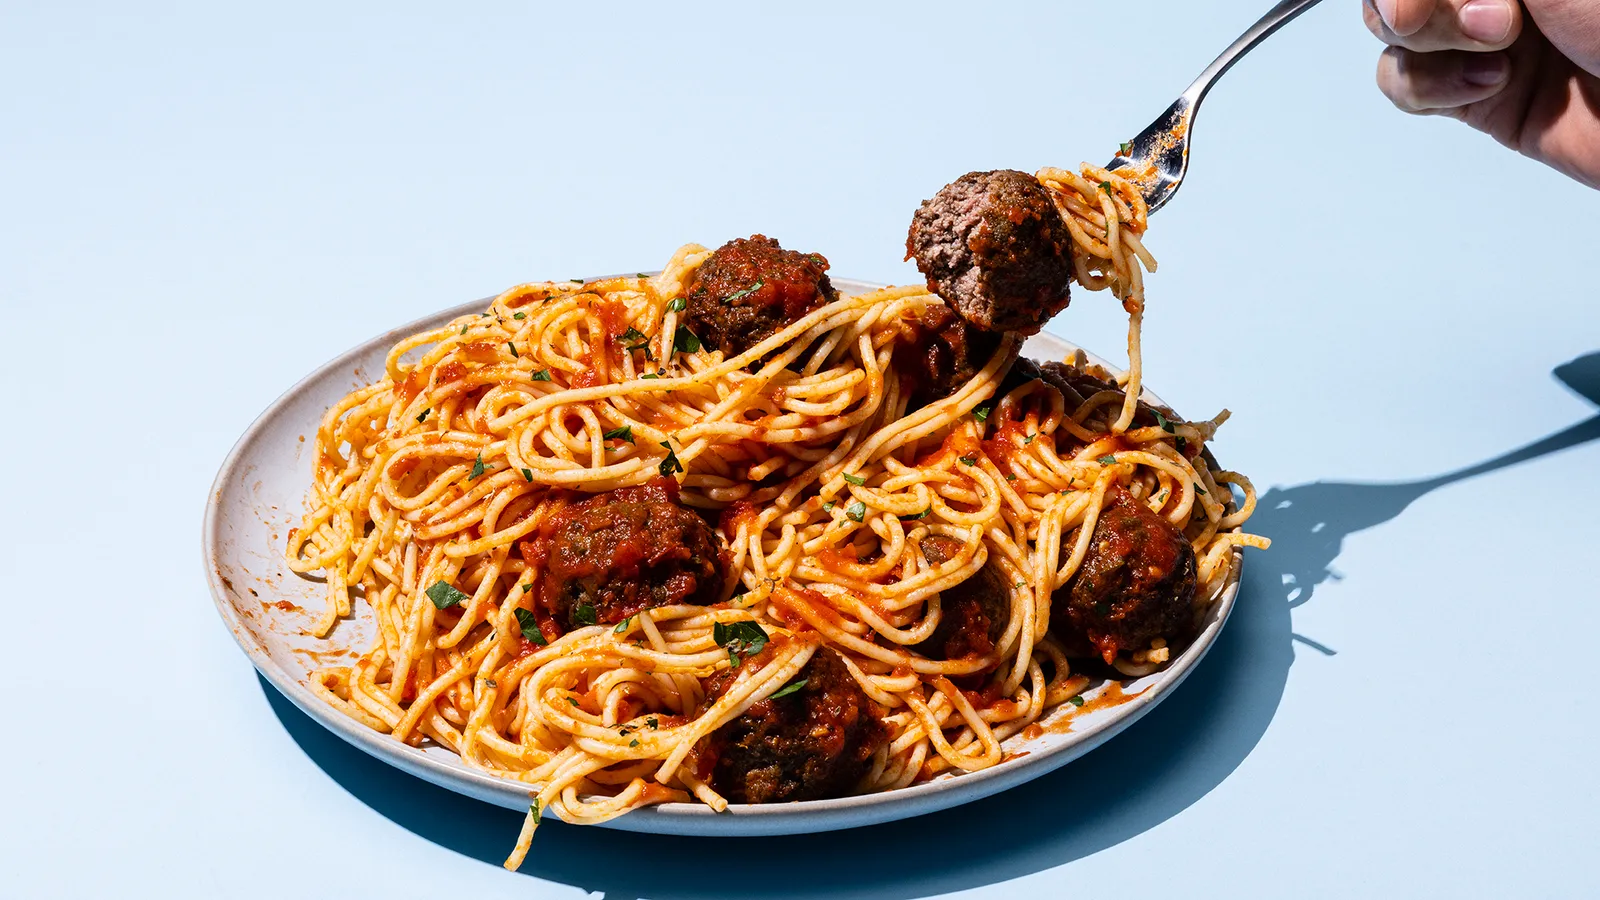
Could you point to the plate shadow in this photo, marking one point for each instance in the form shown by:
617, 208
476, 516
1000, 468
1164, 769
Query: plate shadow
1161, 765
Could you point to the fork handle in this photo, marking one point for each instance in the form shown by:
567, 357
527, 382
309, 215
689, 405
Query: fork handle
1276, 18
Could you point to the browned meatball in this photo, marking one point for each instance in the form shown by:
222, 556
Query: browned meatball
1076, 386
624, 551
1136, 584
994, 247
943, 352
807, 745
750, 288
975, 612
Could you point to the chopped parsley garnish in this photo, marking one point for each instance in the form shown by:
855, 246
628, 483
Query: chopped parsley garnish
445, 596
533, 810
1125, 148
677, 304
1107, 460
634, 742
856, 480
519, 315
969, 460
491, 682
478, 468
634, 335
1010, 477
1105, 186
685, 341
653, 722
542, 375
742, 640
981, 413
1029, 439
527, 475
530, 627
622, 626
827, 507
526, 588
625, 433
670, 464
789, 688
1076, 700
1197, 487
513, 348
463, 329
1183, 445
740, 295
423, 416
1163, 421
650, 375
583, 614
573, 700
920, 515
856, 511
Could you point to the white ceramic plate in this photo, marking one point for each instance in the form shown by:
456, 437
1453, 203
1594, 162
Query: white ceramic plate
258, 497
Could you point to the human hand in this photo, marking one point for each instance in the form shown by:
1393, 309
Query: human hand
1527, 74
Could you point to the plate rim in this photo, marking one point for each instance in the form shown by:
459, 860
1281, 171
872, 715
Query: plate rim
674, 818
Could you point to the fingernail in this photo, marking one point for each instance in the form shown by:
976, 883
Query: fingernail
1486, 21
1386, 11
1485, 69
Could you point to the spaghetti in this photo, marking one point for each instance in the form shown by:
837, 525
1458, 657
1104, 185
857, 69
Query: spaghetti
828, 483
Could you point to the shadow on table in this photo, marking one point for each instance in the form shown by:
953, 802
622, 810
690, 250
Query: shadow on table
1161, 765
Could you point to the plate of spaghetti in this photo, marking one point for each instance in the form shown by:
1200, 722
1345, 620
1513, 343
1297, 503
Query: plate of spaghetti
738, 548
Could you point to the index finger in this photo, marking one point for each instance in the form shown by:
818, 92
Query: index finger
1402, 17
1479, 25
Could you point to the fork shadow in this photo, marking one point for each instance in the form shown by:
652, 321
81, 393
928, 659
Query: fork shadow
1161, 765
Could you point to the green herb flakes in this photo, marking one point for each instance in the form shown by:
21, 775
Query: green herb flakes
423, 416
1076, 700
478, 468
856, 511
856, 480
670, 464
625, 433
445, 596
542, 375
740, 295
530, 626
789, 688
685, 341
583, 614
677, 304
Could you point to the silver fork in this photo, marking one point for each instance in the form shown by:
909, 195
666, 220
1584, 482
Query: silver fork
1159, 156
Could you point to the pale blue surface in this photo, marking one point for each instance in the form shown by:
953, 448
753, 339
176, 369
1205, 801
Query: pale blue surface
185, 192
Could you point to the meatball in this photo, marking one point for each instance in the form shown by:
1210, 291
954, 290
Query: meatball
624, 551
806, 745
750, 288
944, 352
1136, 584
975, 612
994, 247
1076, 385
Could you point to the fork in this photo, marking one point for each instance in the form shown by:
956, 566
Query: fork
1159, 156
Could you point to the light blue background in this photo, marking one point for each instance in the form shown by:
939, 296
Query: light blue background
200, 205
